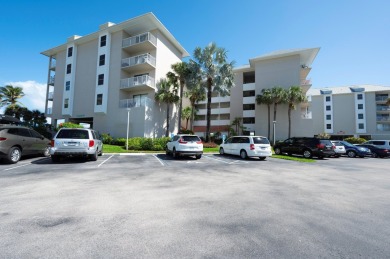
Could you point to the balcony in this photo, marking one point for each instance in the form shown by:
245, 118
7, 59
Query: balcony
306, 115
249, 100
305, 84
49, 111
139, 43
214, 111
133, 103
50, 96
144, 82
381, 98
212, 122
52, 65
142, 62
51, 80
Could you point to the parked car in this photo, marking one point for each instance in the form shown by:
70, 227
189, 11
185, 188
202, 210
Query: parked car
339, 148
76, 142
379, 143
18, 141
353, 150
376, 151
246, 146
306, 146
185, 145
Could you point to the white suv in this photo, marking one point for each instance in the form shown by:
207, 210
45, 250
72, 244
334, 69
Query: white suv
246, 146
76, 142
185, 145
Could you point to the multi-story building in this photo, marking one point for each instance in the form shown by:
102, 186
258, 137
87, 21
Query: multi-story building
282, 68
359, 111
109, 75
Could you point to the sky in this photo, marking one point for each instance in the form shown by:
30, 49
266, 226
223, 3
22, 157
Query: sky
354, 35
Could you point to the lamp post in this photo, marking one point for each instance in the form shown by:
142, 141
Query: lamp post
274, 126
127, 130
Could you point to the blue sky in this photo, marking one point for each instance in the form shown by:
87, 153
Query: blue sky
353, 35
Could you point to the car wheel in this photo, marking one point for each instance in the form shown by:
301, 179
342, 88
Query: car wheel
14, 155
174, 153
336, 156
277, 151
375, 155
94, 157
198, 156
351, 154
262, 158
221, 151
46, 152
320, 157
100, 153
307, 154
243, 154
55, 158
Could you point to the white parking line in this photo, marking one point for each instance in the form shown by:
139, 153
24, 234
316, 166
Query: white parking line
226, 162
15, 167
105, 161
161, 162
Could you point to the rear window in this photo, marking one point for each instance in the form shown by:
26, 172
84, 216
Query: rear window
191, 138
378, 142
326, 142
337, 143
259, 140
73, 133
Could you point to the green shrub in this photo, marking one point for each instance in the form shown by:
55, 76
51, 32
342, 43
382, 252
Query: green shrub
134, 143
354, 140
119, 142
157, 147
107, 139
161, 142
146, 143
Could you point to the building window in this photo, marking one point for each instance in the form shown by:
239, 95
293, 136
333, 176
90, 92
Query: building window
66, 103
70, 51
99, 99
140, 99
328, 126
248, 120
101, 79
67, 86
249, 77
328, 108
102, 60
361, 125
249, 107
103, 40
249, 93
360, 116
327, 98
328, 117
360, 96
360, 106
69, 68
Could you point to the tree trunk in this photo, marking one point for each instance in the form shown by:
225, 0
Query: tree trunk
192, 116
209, 83
275, 108
180, 102
289, 122
269, 121
167, 131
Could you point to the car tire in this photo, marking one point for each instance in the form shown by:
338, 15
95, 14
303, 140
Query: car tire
307, 153
277, 151
336, 156
262, 158
198, 156
351, 154
55, 158
46, 152
221, 151
100, 153
243, 154
374, 155
94, 156
167, 151
14, 155
320, 157
174, 153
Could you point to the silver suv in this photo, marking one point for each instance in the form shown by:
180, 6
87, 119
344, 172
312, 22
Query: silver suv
185, 145
17, 141
76, 142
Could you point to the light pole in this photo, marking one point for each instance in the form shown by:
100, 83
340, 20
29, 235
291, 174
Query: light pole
127, 131
274, 124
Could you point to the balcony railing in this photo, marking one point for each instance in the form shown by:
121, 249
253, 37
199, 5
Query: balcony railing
49, 111
139, 39
382, 108
53, 64
133, 82
381, 98
132, 103
51, 80
306, 115
137, 60
305, 82
50, 96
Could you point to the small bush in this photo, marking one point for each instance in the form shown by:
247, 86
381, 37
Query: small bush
146, 143
107, 139
70, 125
135, 143
354, 140
157, 147
119, 142
161, 141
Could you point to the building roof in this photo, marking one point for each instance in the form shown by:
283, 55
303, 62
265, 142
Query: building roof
137, 25
347, 89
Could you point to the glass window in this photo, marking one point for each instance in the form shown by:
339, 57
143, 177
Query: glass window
70, 51
35, 134
69, 68
101, 79
328, 117
99, 99
329, 126
248, 120
361, 125
67, 85
360, 106
66, 103
259, 140
328, 107
360, 116
102, 60
103, 40
140, 99
360, 96
327, 98
249, 93
248, 107
249, 77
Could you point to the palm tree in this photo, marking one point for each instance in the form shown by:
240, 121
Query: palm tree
181, 72
266, 98
388, 102
10, 95
215, 73
294, 96
167, 93
195, 93
187, 113
278, 97
38, 118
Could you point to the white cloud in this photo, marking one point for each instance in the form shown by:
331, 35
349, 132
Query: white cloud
34, 94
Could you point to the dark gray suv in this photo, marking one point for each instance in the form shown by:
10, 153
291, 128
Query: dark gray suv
306, 146
17, 141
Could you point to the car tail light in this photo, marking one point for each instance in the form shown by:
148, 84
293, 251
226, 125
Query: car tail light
2, 139
52, 143
333, 147
252, 146
181, 141
199, 142
320, 146
91, 143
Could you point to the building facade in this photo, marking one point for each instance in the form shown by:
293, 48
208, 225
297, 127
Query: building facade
109, 77
358, 111
282, 68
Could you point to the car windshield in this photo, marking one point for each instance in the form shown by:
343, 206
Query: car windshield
260, 140
191, 138
73, 133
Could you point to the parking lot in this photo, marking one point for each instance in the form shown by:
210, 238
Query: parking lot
152, 206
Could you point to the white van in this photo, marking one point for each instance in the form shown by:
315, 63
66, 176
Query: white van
379, 143
246, 146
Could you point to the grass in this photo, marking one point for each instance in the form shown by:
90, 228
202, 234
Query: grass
293, 158
119, 149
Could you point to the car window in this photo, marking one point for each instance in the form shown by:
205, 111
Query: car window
35, 134
24, 132
378, 142
228, 141
191, 138
300, 141
289, 141
259, 140
175, 138
326, 142
236, 140
244, 140
73, 133
93, 135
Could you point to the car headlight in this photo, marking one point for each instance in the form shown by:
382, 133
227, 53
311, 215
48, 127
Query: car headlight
363, 149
